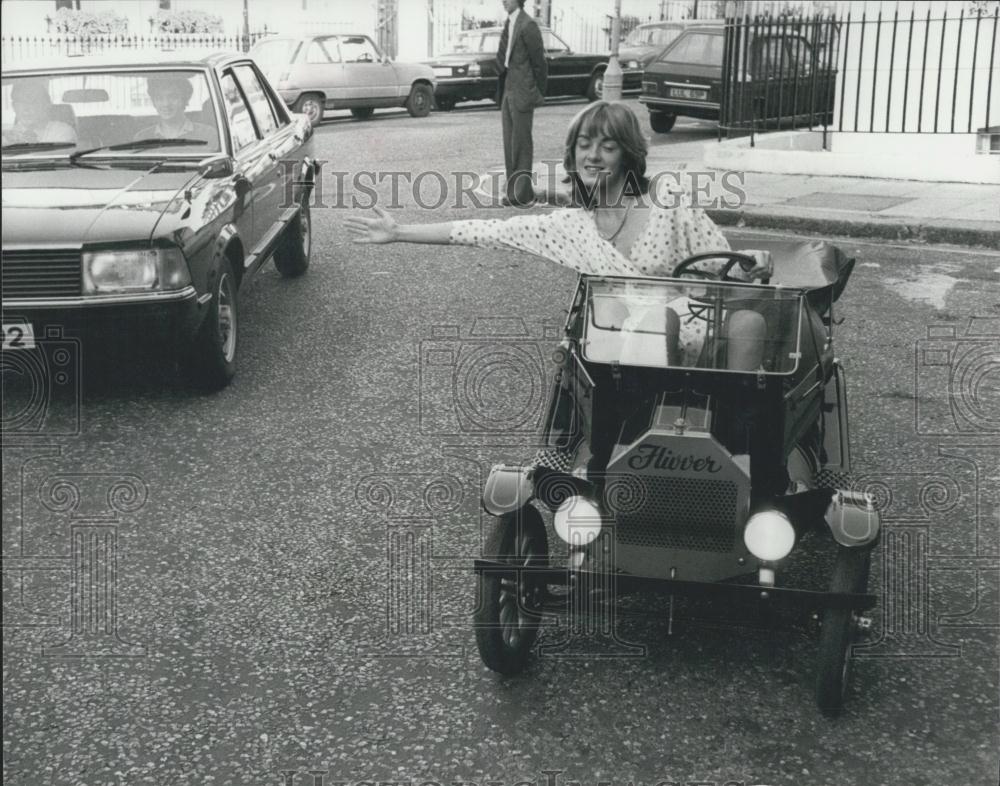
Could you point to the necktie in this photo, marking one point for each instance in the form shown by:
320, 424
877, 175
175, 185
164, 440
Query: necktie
502, 51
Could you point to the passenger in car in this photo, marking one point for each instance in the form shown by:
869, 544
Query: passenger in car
613, 227
170, 94
33, 115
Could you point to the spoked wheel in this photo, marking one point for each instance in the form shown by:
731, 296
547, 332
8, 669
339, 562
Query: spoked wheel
507, 612
839, 629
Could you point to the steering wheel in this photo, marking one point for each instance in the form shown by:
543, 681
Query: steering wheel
745, 261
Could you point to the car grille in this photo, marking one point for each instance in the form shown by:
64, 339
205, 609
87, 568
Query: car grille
683, 513
41, 274
649, 88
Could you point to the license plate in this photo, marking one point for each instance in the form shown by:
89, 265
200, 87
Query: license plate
18, 335
685, 92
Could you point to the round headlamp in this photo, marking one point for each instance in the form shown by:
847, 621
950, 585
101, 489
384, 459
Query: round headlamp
769, 535
578, 521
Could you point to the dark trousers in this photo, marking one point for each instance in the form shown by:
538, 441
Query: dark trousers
518, 151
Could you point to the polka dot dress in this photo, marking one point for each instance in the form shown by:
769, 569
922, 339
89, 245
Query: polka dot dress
674, 231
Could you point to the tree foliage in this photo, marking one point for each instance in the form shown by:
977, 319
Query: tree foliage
188, 22
84, 23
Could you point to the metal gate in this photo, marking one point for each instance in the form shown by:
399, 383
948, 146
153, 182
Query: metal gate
919, 72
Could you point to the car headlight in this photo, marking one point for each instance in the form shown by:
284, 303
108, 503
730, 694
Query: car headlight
769, 535
475, 69
148, 270
577, 521
632, 64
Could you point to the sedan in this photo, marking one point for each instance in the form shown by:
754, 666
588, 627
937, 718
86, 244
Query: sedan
469, 71
321, 72
141, 196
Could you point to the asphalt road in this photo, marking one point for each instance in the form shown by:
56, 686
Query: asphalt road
291, 583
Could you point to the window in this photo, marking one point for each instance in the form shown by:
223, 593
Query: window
551, 42
261, 107
72, 5
696, 49
240, 123
662, 36
323, 50
490, 43
358, 49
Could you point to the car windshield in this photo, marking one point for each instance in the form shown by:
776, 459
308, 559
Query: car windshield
52, 115
629, 322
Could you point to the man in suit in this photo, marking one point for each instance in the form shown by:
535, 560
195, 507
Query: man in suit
523, 74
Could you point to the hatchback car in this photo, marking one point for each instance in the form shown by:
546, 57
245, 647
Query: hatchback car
686, 78
321, 72
469, 71
141, 195
647, 41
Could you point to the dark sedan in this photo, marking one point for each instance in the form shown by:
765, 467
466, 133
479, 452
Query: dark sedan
469, 71
142, 196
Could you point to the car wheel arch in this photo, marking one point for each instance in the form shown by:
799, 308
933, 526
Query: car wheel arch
230, 245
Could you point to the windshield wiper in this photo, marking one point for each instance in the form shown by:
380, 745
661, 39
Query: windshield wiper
19, 147
141, 144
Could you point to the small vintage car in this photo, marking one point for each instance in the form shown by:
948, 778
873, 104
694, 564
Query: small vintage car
786, 77
142, 193
321, 72
468, 72
708, 480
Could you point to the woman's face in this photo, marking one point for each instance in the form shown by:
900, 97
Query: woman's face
598, 158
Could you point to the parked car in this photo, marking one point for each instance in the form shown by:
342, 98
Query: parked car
646, 41
469, 71
118, 223
321, 72
785, 79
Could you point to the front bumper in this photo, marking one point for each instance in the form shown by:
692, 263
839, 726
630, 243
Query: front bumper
161, 315
626, 584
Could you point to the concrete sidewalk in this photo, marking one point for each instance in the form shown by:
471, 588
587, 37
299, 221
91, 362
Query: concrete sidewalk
902, 210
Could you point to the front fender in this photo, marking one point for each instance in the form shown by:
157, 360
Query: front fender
507, 489
852, 519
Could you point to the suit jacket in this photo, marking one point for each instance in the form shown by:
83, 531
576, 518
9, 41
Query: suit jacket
526, 76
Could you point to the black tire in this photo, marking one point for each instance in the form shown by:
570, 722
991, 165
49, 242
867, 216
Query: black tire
291, 257
420, 100
839, 626
362, 112
213, 354
595, 88
444, 104
506, 625
661, 122
311, 105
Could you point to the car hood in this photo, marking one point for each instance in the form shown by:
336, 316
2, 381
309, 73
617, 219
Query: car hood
411, 71
70, 206
641, 53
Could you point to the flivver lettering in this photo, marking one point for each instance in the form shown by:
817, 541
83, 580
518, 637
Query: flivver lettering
648, 456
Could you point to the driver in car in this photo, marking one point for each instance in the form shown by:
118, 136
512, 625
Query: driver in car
170, 94
611, 228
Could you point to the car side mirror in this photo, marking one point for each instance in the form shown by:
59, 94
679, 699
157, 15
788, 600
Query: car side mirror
216, 167
242, 187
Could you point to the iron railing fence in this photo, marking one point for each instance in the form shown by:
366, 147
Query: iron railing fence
882, 73
18, 48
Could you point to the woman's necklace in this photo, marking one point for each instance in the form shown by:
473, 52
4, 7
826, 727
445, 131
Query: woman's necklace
610, 238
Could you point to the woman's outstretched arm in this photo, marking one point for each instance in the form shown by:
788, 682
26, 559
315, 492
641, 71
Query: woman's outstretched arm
384, 229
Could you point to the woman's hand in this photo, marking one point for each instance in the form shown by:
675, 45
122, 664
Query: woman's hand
373, 230
764, 268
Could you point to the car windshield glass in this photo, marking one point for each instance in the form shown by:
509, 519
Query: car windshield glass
108, 109
683, 323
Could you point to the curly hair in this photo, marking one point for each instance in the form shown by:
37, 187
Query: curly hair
616, 122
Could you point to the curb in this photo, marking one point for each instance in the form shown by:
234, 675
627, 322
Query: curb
919, 231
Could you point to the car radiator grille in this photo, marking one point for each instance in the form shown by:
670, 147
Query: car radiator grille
650, 88
682, 513
41, 274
